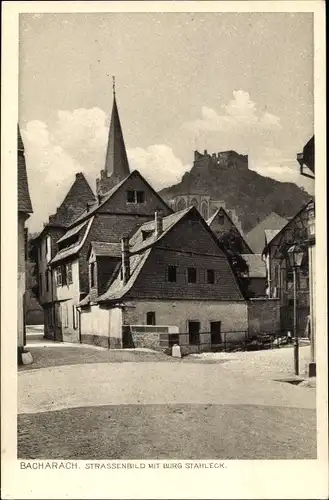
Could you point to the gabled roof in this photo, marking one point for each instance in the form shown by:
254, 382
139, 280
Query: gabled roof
140, 251
270, 234
256, 237
105, 249
97, 206
279, 233
212, 219
71, 232
116, 162
74, 203
257, 267
75, 247
23, 195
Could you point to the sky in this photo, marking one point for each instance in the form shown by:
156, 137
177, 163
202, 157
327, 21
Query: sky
184, 81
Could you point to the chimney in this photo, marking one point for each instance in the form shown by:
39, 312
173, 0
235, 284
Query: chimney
125, 259
205, 152
99, 197
88, 206
158, 223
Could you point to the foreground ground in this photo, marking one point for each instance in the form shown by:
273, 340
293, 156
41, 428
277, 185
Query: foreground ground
83, 403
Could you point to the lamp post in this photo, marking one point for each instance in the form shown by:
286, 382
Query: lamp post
311, 250
295, 256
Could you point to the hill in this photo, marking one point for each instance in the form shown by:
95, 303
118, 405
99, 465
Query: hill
226, 177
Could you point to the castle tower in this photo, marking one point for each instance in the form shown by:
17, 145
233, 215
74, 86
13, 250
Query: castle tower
116, 161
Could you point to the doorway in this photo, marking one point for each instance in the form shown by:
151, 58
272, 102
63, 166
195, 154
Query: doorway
194, 332
215, 331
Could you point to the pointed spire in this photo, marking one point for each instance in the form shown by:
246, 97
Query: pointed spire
116, 163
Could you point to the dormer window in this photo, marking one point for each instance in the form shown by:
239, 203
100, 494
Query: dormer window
146, 234
221, 219
136, 197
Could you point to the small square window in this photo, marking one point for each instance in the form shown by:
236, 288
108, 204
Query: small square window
172, 274
191, 275
140, 196
131, 196
210, 276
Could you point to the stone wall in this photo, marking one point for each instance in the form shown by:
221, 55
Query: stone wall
263, 316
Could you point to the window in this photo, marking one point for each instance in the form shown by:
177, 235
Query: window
220, 219
74, 316
59, 276
66, 316
194, 332
47, 280
130, 196
191, 275
40, 283
210, 276
150, 318
92, 274
172, 274
48, 248
64, 275
215, 330
147, 234
135, 197
140, 196
69, 273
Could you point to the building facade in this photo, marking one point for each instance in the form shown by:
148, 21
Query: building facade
172, 280
24, 210
280, 274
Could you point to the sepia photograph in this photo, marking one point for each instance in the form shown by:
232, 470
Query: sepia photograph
166, 242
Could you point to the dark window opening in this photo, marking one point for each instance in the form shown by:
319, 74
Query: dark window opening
172, 274
140, 196
131, 196
147, 234
215, 330
150, 318
135, 197
92, 274
210, 276
194, 332
191, 275
220, 219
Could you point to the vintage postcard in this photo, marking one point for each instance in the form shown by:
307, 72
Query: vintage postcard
164, 326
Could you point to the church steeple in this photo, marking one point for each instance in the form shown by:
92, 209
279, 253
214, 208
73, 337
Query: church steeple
116, 161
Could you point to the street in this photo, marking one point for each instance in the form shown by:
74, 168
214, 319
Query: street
89, 403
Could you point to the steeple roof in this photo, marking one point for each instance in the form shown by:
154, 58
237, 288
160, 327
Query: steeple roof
74, 203
23, 195
116, 162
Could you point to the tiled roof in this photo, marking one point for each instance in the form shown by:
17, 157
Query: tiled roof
256, 237
140, 251
72, 232
75, 248
106, 197
270, 234
116, 157
117, 290
23, 195
257, 267
104, 249
96, 206
213, 218
74, 203
136, 242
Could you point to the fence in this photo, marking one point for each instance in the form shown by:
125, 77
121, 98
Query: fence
229, 342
